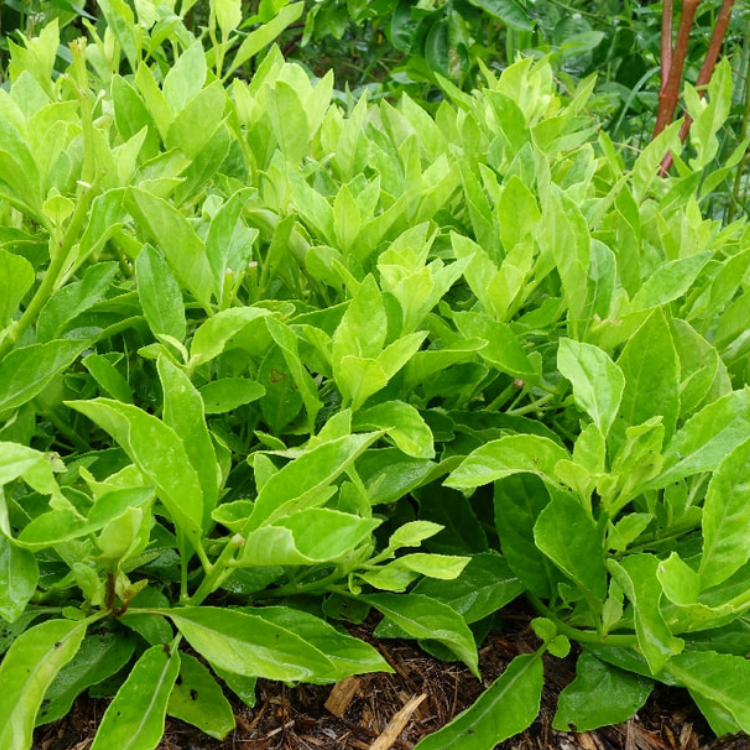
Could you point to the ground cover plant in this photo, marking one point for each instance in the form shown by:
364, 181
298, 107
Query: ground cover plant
272, 358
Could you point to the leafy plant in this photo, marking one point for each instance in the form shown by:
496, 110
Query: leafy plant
268, 363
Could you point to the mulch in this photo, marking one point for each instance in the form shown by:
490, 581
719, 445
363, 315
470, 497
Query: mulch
395, 711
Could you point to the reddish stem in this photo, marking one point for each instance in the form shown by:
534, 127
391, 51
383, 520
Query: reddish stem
669, 94
706, 71
666, 41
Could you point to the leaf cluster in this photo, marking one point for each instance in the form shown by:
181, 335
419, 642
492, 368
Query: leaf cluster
270, 362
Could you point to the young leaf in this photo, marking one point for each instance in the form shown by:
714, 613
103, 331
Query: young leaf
598, 383
568, 535
503, 350
506, 708
107, 377
172, 233
600, 695
159, 294
707, 438
135, 718
509, 455
308, 537
227, 394
652, 376
211, 338
249, 645
160, 455
198, 699
403, 423
307, 475
27, 670
183, 412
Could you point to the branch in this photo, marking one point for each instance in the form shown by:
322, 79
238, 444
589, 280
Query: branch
706, 71
669, 94
666, 41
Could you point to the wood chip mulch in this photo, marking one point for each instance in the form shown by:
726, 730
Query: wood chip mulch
394, 711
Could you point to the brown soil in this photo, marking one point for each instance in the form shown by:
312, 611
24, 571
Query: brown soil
395, 711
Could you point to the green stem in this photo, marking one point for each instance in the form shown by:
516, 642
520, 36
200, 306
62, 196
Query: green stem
581, 636
216, 572
534, 406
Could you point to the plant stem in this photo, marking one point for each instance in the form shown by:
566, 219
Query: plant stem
670, 91
216, 571
666, 41
706, 71
581, 636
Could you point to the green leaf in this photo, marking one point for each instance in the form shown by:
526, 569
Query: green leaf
429, 619
57, 526
308, 537
512, 454
363, 328
73, 299
107, 377
707, 438
669, 281
637, 575
486, 585
719, 678
226, 394
198, 699
726, 518
158, 452
598, 383
503, 350
19, 575
26, 371
599, 696
186, 77
304, 477
100, 656
462, 531
16, 278
652, 376
260, 38
506, 708
568, 535
282, 401
16, 460
308, 391
216, 332
519, 499
27, 670
229, 15
349, 655
402, 423
159, 294
176, 238
249, 645
184, 413
134, 720
511, 12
